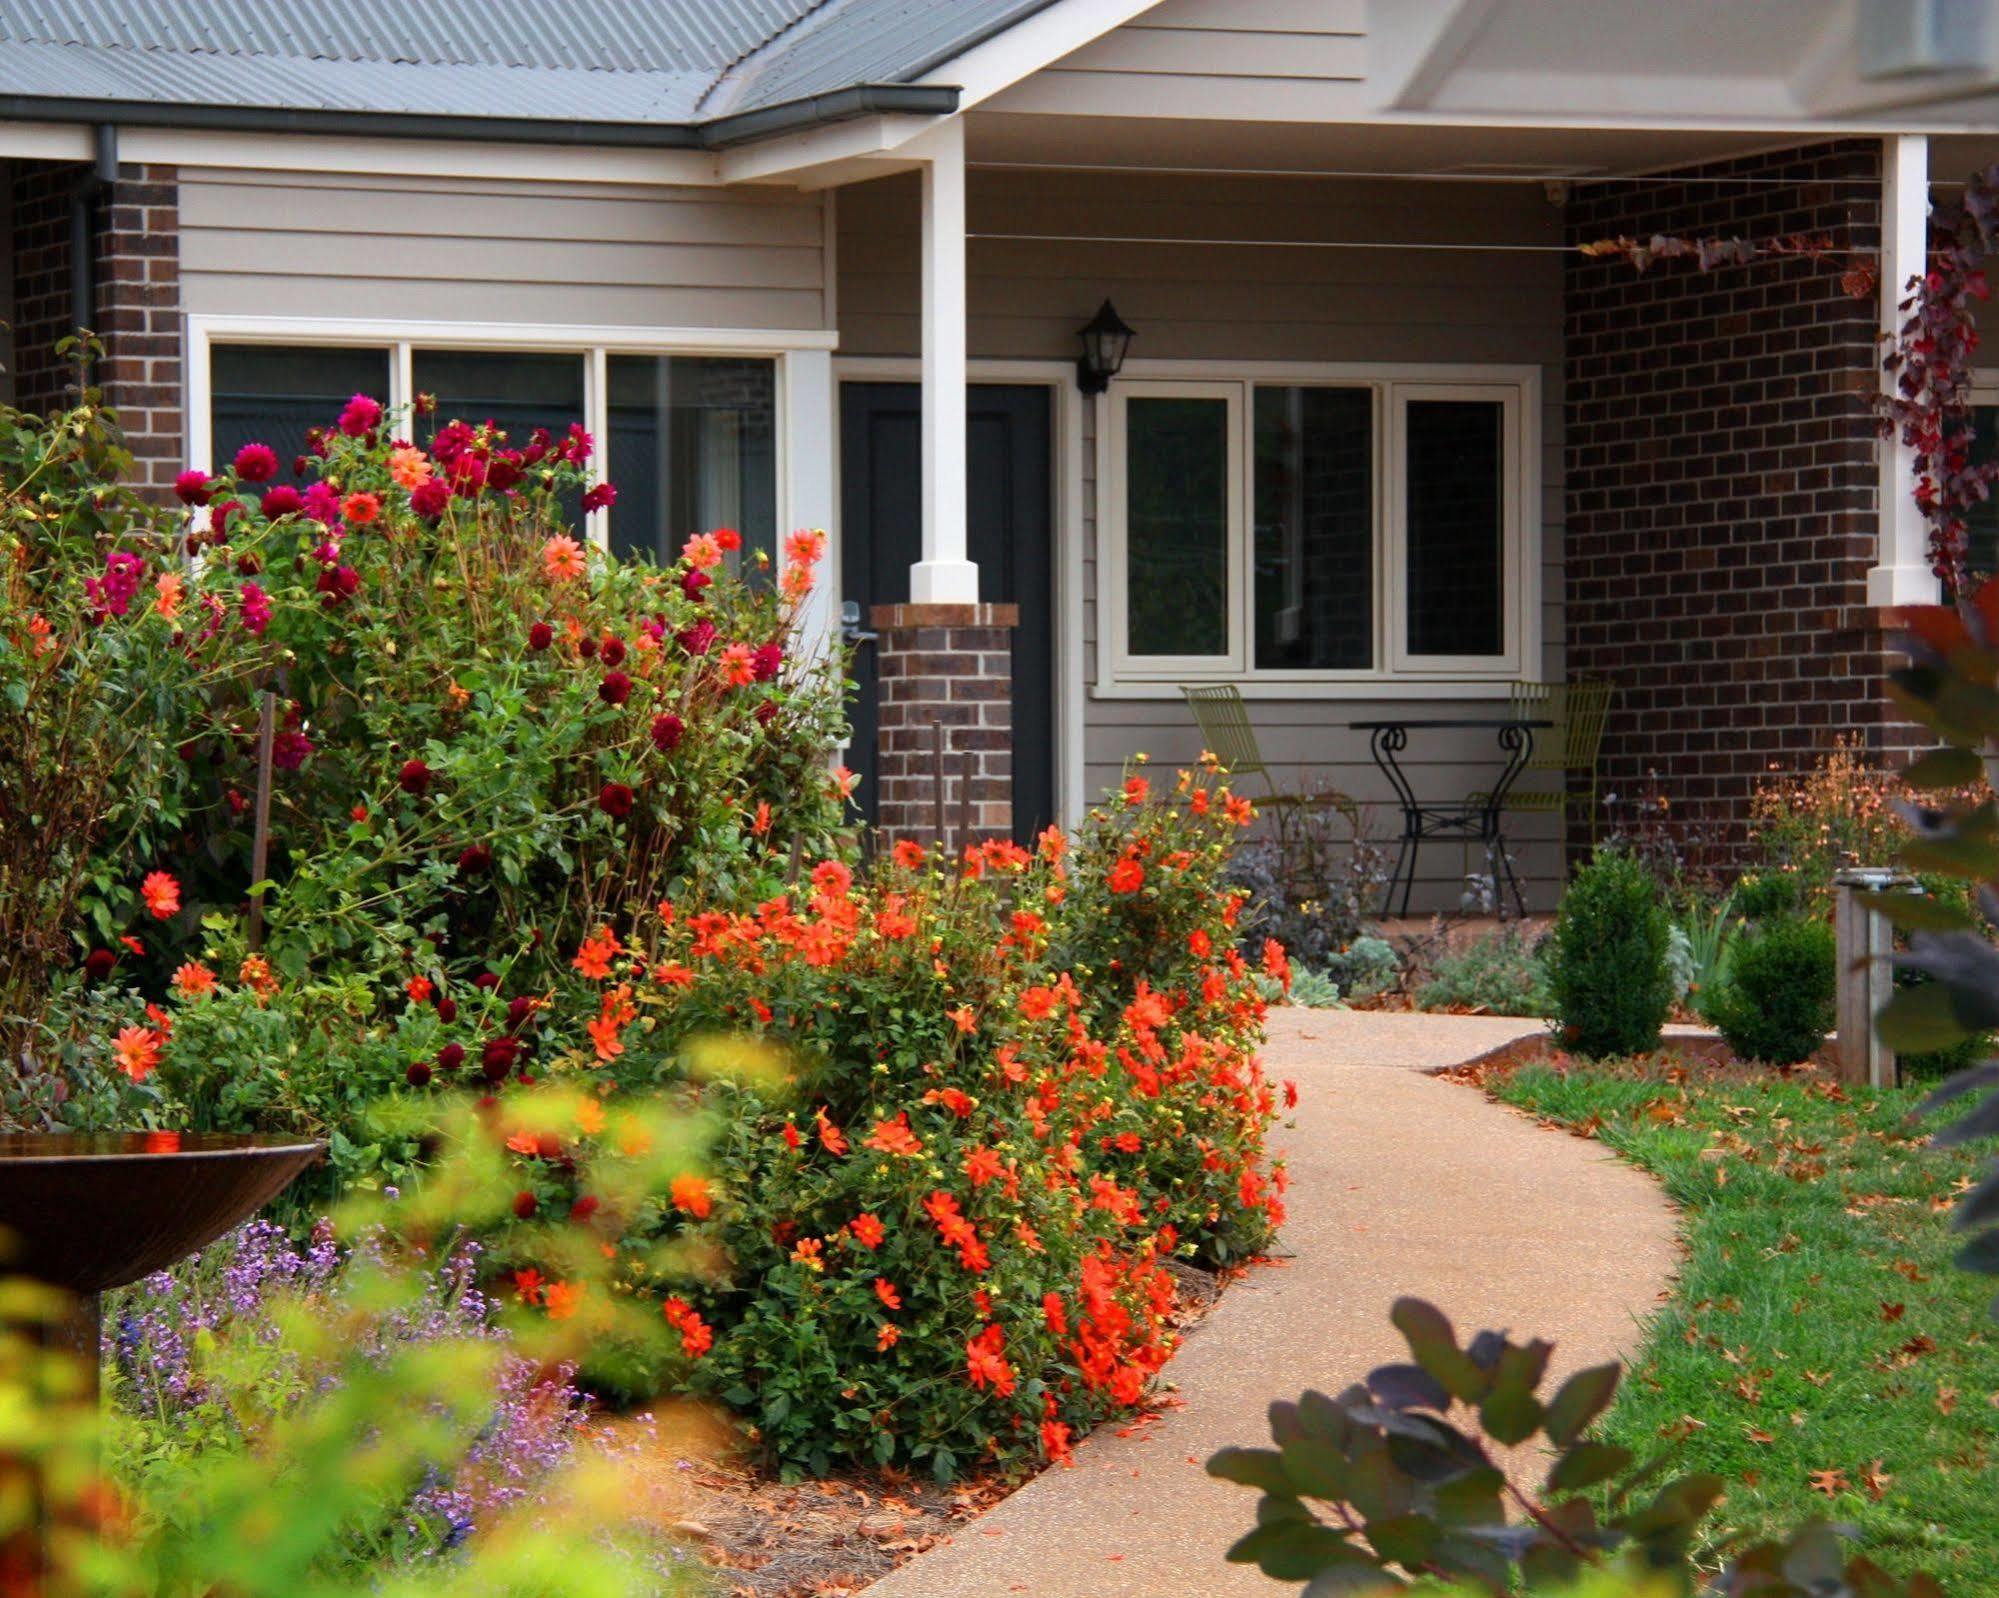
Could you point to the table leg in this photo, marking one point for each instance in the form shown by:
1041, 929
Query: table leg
1518, 742
1384, 744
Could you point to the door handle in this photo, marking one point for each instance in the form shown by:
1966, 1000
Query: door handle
852, 633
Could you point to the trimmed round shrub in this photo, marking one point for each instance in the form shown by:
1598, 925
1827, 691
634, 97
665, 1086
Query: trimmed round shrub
1777, 1003
1608, 974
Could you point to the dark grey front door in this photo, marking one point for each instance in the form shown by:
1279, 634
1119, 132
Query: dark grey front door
1008, 464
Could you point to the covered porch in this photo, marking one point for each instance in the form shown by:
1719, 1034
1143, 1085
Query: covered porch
1385, 445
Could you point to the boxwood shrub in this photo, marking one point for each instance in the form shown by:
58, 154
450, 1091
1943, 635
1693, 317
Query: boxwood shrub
1608, 976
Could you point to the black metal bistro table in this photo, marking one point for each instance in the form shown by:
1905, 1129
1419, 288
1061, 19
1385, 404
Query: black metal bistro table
1460, 818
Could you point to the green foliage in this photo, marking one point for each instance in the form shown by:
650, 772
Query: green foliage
1503, 972
1703, 936
1766, 896
1775, 1001
1313, 990
1608, 977
1395, 1477
1818, 1350
314, 1497
1365, 967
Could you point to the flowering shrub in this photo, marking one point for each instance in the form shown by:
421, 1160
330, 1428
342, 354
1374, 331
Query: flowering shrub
937, 1228
488, 738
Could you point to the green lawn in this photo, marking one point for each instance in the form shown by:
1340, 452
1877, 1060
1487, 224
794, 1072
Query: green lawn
1819, 1325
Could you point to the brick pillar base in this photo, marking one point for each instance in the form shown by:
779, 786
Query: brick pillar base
948, 666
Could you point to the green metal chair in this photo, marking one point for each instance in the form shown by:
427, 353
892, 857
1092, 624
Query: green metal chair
1227, 735
1569, 747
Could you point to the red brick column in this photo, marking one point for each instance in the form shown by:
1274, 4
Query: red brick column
1722, 483
948, 666
137, 314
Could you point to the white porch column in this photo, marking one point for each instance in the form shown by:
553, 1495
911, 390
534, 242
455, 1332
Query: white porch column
1901, 573
809, 497
945, 576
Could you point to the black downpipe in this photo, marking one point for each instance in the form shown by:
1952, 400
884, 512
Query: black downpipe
83, 197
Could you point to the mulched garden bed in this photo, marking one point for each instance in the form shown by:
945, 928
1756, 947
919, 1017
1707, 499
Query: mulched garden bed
1699, 1056
833, 1537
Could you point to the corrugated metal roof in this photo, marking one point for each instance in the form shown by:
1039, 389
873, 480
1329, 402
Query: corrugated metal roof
662, 61
865, 41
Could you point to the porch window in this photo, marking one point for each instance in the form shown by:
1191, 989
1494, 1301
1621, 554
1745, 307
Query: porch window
1316, 530
689, 440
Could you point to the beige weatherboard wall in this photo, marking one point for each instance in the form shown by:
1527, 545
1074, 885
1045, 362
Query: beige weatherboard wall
1230, 308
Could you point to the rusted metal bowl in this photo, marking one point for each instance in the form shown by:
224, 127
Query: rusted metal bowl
91, 1211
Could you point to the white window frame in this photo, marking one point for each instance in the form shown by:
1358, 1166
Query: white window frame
804, 388
1516, 388
1234, 396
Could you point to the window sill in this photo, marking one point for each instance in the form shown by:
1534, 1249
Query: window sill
1373, 690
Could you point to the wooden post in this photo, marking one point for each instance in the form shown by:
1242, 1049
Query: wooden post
1866, 972
260, 846
937, 775
965, 772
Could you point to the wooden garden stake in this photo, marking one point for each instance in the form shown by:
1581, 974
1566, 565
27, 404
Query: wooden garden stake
965, 801
260, 847
937, 779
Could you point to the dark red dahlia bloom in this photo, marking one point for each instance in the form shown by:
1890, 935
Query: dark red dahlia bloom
518, 1012
429, 498
540, 636
602, 497
615, 689
447, 1012
193, 487
583, 1208
249, 563
525, 1204
692, 581
338, 584
451, 1056
613, 651
667, 731
290, 749
587, 648
696, 640
766, 712
256, 463
418, 1075
281, 499
486, 981
99, 964
497, 1058
766, 661
615, 800
475, 860
505, 470
414, 777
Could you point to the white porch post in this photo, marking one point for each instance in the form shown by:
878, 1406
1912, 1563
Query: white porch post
1901, 573
945, 575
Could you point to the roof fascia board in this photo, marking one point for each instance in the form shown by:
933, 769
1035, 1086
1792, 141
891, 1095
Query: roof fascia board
449, 158
1023, 49
842, 105
826, 156
45, 141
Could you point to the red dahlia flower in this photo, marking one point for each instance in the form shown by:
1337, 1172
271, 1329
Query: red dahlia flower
615, 689
766, 661
613, 651
451, 1056
361, 415
281, 499
418, 1075
256, 463
497, 1058
540, 636
414, 777
602, 497
667, 731
525, 1204
193, 487
476, 860
615, 800
429, 498
98, 964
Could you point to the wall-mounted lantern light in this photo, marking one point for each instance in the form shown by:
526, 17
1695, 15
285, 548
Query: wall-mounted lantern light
1105, 340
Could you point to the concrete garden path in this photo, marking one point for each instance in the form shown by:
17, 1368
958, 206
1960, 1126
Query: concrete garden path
1399, 1184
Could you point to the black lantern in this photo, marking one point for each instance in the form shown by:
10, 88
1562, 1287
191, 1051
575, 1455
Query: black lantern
1105, 339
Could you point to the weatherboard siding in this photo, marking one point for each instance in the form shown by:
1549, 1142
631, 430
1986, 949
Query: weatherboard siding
1262, 59
1211, 302
495, 251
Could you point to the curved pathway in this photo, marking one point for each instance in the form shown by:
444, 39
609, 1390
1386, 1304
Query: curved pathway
1399, 1184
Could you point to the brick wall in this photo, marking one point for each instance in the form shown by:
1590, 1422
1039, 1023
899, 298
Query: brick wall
1721, 482
951, 665
137, 312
